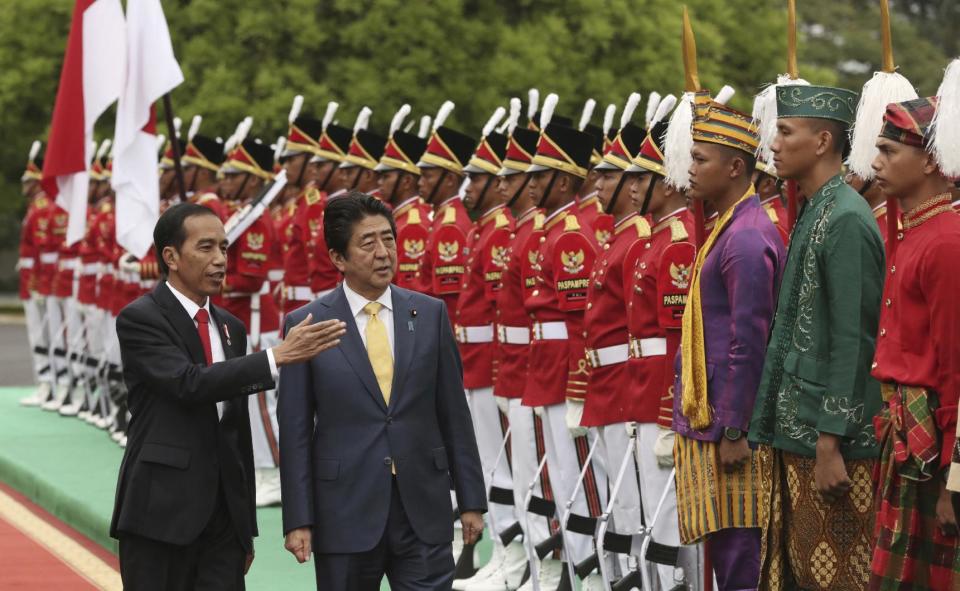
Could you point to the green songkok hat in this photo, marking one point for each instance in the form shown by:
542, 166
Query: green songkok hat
820, 102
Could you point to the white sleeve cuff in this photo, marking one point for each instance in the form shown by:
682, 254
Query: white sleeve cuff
273, 364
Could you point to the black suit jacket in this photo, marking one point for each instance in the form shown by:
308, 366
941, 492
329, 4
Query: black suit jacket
339, 439
178, 453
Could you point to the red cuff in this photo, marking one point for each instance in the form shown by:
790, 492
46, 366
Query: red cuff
946, 419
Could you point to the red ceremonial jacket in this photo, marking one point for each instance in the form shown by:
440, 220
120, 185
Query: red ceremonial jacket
413, 218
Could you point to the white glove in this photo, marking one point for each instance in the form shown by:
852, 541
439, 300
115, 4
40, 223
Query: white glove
663, 448
503, 403
574, 418
129, 264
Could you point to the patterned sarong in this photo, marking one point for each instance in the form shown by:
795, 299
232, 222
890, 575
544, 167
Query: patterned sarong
709, 499
911, 551
810, 543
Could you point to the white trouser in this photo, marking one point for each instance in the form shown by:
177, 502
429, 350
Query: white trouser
653, 480
76, 344
523, 446
94, 323
263, 416
58, 344
489, 431
111, 343
626, 515
37, 337
564, 465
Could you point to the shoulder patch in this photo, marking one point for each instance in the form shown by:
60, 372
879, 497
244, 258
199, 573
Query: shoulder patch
677, 232
312, 196
642, 226
449, 216
772, 214
538, 221
570, 223
501, 221
414, 216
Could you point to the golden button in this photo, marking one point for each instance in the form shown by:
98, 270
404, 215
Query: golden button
888, 302
873, 365
883, 332
643, 265
535, 293
647, 245
893, 269
543, 239
584, 334
606, 246
589, 305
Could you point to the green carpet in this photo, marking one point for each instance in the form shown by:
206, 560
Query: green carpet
70, 469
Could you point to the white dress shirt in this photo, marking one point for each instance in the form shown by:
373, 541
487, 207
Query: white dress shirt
216, 345
357, 302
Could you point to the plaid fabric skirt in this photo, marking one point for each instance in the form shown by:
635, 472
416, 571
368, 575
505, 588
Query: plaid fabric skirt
709, 499
911, 552
810, 543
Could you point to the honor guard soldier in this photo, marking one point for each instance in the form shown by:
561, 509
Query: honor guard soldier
606, 403
591, 210
768, 187
443, 264
475, 331
323, 274
513, 326
33, 233
326, 148
397, 183
246, 295
358, 169
558, 364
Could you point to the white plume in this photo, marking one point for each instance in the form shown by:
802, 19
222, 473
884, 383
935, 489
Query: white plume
194, 127
493, 120
104, 147
279, 146
35, 149
679, 142
177, 123
765, 114
363, 119
663, 109
533, 102
409, 125
424, 126
514, 118
546, 113
726, 93
442, 114
398, 118
244, 129
608, 118
587, 113
653, 102
632, 101
881, 90
946, 122
295, 108
331, 111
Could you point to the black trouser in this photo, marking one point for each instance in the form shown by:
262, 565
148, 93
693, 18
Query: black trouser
408, 563
213, 562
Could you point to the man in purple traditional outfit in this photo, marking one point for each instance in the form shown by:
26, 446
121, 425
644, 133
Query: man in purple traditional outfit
733, 288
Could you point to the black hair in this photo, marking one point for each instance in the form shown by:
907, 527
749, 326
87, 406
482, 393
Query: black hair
170, 230
342, 214
837, 129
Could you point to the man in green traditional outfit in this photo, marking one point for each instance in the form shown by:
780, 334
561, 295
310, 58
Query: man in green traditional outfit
817, 399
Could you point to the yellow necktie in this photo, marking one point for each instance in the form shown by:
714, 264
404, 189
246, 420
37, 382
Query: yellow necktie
378, 349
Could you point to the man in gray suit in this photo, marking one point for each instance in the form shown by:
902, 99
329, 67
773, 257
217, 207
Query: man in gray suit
373, 431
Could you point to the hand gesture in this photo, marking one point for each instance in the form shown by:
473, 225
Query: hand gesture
298, 542
830, 473
472, 523
306, 340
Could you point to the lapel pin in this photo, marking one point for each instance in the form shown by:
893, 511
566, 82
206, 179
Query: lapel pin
413, 313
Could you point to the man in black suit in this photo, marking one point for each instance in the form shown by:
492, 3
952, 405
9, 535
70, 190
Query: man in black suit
184, 511
373, 431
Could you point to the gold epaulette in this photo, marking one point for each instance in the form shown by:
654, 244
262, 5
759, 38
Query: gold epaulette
312, 196
501, 221
677, 232
570, 224
538, 221
449, 215
642, 226
413, 217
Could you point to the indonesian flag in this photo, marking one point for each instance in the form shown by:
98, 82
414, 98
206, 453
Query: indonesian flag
90, 81
152, 71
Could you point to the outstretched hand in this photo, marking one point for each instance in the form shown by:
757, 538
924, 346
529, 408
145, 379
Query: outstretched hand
305, 340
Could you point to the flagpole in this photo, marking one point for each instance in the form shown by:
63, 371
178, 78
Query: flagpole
175, 144
793, 198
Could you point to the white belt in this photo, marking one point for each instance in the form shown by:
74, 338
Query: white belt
90, 269
275, 275
300, 293
69, 264
513, 335
474, 334
647, 347
550, 331
608, 355
49, 258
107, 270
25, 263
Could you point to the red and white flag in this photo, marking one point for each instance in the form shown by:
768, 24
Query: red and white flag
152, 71
90, 81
